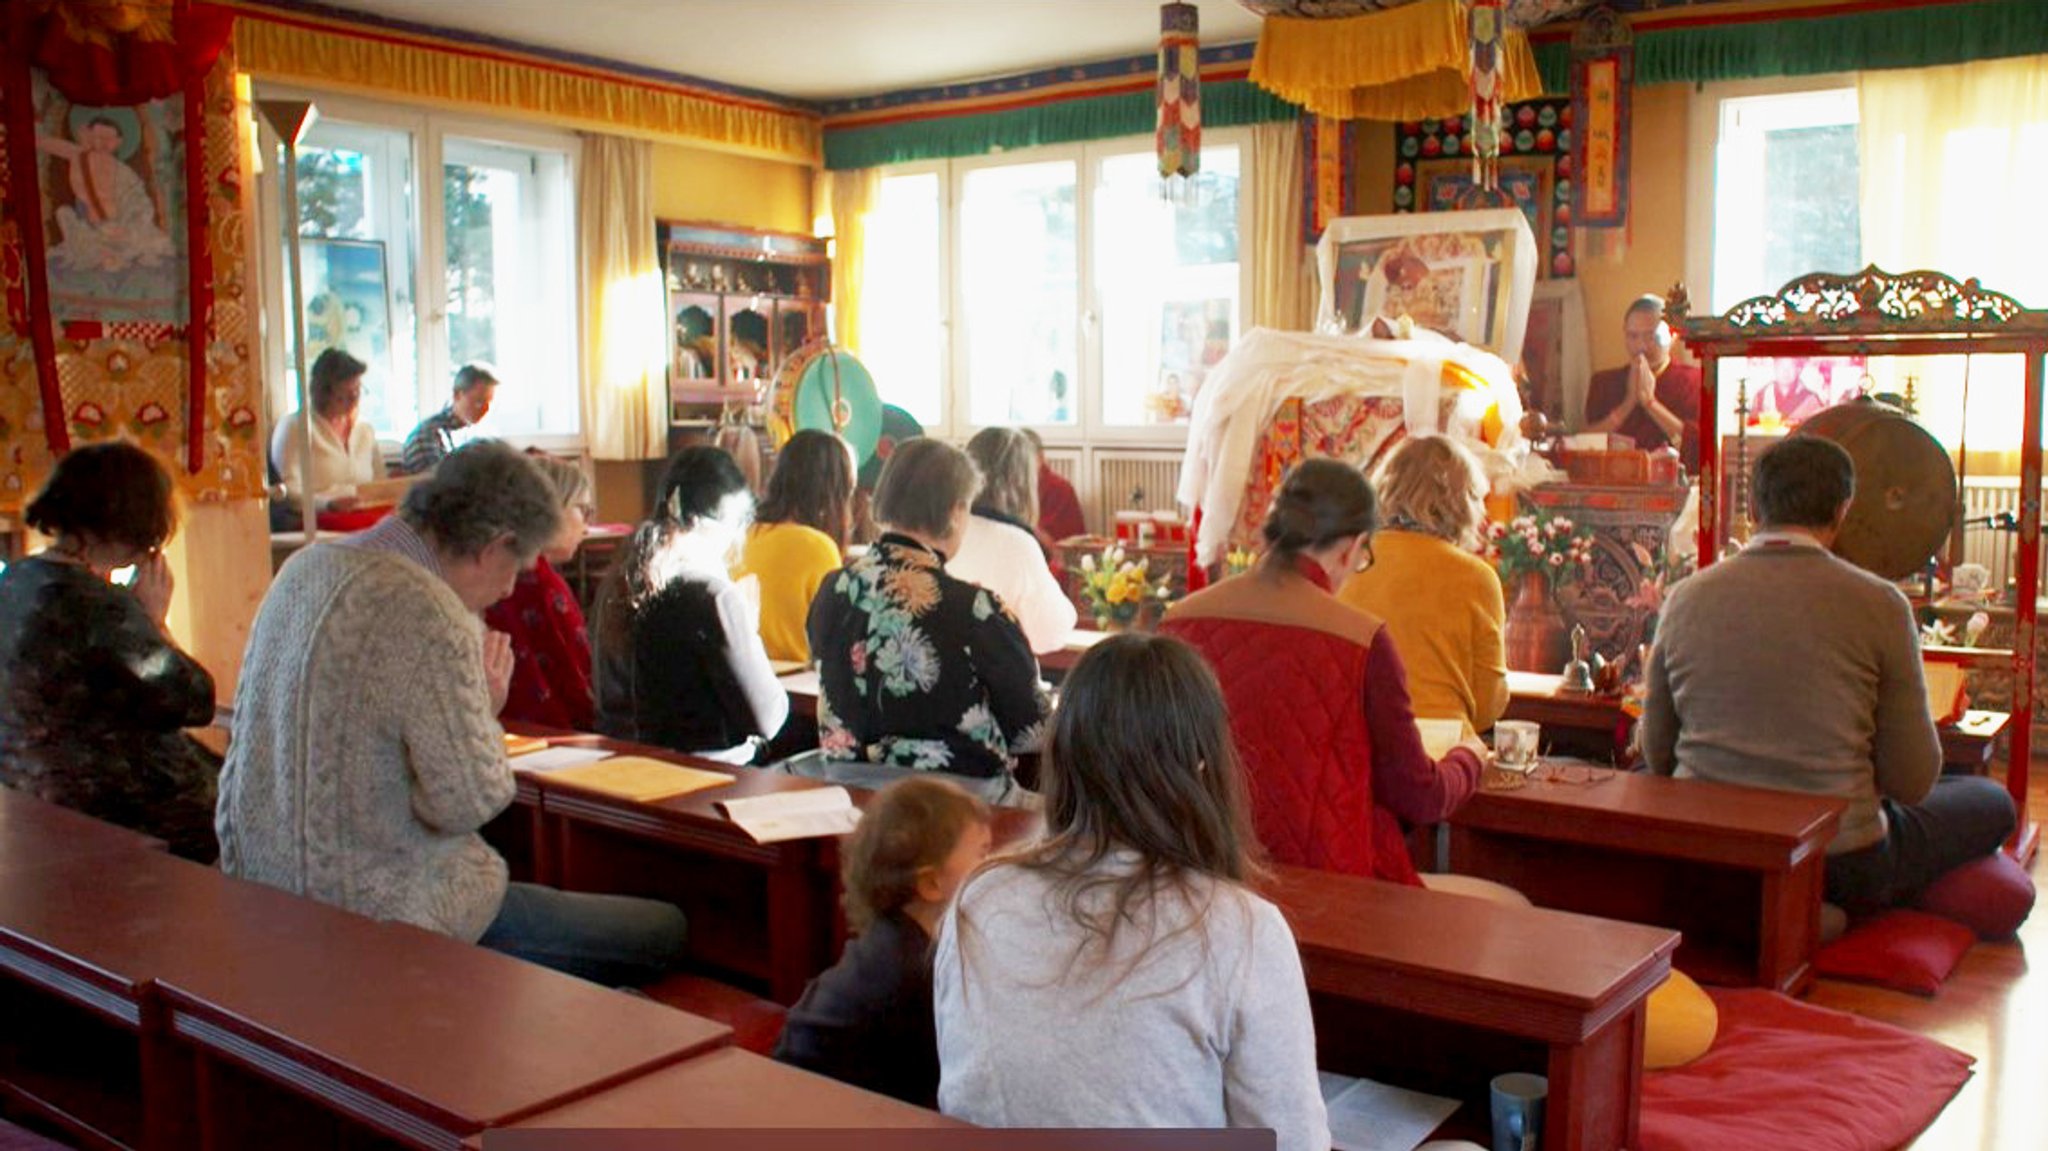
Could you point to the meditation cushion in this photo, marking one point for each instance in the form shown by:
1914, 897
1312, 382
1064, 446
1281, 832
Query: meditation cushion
1903, 950
1990, 896
1785, 1074
1679, 1024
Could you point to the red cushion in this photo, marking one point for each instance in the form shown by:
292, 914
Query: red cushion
756, 1023
1787, 1074
353, 520
1990, 896
1903, 950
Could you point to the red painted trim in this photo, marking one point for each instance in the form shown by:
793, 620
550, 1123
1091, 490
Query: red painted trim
272, 16
28, 201
199, 273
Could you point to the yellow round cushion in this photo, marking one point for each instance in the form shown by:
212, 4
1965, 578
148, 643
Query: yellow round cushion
1681, 1023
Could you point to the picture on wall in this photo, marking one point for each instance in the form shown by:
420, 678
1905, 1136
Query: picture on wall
1536, 138
347, 293
113, 201
1466, 275
1194, 336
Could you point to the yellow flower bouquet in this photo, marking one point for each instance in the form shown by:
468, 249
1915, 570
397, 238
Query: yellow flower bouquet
1119, 589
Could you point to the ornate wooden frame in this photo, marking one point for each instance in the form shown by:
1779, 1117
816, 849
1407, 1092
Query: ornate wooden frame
1878, 313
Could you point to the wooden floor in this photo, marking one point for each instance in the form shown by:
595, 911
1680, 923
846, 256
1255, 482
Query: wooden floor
1992, 1009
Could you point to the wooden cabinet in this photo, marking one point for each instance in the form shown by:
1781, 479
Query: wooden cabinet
739, 302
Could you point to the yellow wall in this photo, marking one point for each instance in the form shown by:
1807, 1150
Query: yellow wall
720, 187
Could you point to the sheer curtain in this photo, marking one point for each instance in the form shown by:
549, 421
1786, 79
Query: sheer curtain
1953, 165
852, 198
625, 339
1283, 275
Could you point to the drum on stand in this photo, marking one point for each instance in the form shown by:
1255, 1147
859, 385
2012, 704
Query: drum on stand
824, 387
1905, 503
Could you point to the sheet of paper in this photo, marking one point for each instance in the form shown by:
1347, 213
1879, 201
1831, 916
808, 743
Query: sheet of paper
640, 778
557, 758
1369, 1116
1439, 736
787, 666
805, 814
524, 744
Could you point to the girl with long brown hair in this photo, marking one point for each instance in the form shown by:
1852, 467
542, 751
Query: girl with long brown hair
1121, 972
800, 532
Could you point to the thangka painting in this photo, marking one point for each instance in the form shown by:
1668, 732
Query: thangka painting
113, 201
1433, 165
122, 250
1467, 275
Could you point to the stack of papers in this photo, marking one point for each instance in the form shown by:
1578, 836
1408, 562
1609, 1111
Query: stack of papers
639, 778
804, 814
1369, 1116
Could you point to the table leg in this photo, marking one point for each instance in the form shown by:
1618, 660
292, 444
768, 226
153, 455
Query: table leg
1790, 929
1596, 1089
798, 916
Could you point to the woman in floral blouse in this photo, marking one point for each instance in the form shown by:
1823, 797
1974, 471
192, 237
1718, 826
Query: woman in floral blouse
921, 671
550, 640
93, 694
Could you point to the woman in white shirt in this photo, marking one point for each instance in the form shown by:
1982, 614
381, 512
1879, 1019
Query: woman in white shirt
345, 451
1000, 550
677, 644
1121, 972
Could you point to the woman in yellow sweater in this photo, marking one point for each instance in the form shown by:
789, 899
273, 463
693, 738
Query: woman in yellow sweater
1441, 602
798, 535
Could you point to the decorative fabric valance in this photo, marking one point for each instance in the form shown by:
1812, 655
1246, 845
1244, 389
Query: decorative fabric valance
1807, 37
1059, 106
1406, 63
298, 45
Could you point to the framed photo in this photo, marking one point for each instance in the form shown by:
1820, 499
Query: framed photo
1468, 275
347, 292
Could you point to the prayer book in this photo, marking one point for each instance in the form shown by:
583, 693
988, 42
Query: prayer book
524, 744
782, 667
805, 814
1945, 697
1369, 1116
639, 778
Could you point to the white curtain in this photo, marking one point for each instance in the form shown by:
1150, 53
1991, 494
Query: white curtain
625, 338
1953, 164
1283, 272
852, 195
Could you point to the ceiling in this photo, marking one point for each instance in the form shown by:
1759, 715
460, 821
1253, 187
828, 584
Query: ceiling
824, 49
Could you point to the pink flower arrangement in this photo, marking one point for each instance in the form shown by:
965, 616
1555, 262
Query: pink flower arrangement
1545, 543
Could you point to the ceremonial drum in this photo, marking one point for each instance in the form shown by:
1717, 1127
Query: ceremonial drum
1905, 504
825, 387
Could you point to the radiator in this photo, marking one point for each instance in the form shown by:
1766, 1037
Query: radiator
1992, 496
1131, 481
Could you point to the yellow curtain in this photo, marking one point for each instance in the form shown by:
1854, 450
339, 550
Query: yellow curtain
1952, 163
318, 50
1283, 272
1403, 63
853, 194
625, 337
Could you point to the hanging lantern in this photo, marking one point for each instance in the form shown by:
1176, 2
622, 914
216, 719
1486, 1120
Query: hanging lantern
1485, 35
1178, 137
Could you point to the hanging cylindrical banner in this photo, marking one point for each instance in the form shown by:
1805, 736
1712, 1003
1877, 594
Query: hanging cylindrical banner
1178, 136
1485, 34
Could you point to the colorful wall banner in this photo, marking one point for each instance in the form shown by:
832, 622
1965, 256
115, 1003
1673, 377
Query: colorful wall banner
1603, 91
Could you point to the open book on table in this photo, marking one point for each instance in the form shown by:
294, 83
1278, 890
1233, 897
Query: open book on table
804, 814
1369, 1116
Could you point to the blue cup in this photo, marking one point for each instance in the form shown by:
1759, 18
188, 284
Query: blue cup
1518, 1100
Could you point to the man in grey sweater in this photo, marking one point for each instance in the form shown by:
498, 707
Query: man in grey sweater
1786, 667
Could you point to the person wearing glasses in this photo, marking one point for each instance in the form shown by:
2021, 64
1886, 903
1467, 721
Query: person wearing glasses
550, 640
1317, 692
93, 693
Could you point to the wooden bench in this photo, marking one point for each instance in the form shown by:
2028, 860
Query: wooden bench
1442, 992
1738, 870
731, 1088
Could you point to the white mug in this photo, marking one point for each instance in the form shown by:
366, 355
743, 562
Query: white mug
1515, 744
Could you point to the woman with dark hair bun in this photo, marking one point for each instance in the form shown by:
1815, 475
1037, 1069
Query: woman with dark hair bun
1318, 697
678, 644
93, 694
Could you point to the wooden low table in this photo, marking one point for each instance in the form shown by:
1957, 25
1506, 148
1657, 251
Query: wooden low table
731, 1088
1968, 744
1578, 722
36, 833
1738, 870
1442, 992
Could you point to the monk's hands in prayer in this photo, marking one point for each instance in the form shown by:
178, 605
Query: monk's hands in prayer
153, 585
1642, 382
498, 668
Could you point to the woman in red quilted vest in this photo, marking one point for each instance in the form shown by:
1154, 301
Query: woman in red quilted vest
1318, 698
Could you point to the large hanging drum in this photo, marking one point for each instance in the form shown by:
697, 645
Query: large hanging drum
824, 387
1905, 503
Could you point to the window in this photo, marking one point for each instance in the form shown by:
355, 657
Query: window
489, 246
1785, 191
1054, 288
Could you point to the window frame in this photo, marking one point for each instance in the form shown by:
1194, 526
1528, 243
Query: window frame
427, 128
1090, 429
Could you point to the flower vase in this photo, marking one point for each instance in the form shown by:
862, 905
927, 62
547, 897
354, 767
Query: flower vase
1537, 636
